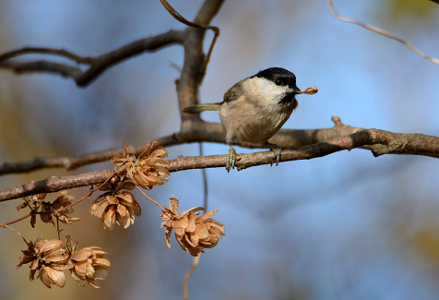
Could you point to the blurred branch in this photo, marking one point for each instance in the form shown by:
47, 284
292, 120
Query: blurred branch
378, 141
194, 66
381, 32
195, 261
200, 131
180, 18
97, 64
71, 163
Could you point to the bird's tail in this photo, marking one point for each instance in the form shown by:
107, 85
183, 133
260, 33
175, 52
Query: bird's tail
194, 109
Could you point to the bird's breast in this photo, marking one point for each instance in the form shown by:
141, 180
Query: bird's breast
256, 123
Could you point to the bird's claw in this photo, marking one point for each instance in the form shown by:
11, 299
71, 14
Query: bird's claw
276, 151
231, 159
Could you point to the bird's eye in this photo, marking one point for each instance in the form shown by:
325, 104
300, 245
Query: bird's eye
278, 81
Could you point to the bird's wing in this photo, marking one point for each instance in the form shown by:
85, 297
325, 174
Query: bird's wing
233, 93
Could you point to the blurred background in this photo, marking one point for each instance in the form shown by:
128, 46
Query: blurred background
346, 226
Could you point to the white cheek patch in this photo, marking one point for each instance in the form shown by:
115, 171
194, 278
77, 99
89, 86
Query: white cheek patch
263, 88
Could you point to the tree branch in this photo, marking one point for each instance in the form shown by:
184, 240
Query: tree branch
200, 131
381, 32
194, 69
97, 64
385, 141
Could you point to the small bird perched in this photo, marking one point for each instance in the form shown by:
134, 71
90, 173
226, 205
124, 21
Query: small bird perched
255, 108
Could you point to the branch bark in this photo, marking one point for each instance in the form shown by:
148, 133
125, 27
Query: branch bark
194, 69
387, 143
200, 131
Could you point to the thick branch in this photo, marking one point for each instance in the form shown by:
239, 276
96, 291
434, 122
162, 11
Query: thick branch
387, 142
194, 59
97, 64
200, 131
196, 131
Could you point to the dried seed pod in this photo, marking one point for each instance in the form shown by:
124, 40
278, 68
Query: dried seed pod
120, 209
89, 265
192, 231
148, 169
49, 258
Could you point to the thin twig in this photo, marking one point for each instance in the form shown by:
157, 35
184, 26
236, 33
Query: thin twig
148, 197
89, 193
16, 221
57, 228
71, 163
41, 50
188, 276
97, 64
180, 18
14, 230
381, 32
205, 183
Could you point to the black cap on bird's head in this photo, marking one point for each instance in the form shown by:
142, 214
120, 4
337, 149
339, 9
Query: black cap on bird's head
279, 76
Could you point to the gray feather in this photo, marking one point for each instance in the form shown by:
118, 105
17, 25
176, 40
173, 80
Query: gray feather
233, 93
194, 109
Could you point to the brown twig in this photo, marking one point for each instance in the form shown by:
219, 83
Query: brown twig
381, 32
204, 179
195, 261
16, 221
378, 141
71, 163
14, 230
40, 50
180, 18
97, 64
148, 197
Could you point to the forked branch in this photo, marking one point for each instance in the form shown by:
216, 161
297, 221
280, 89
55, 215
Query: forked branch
96, 65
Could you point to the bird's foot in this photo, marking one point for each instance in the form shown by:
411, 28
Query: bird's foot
276, 151
231, 159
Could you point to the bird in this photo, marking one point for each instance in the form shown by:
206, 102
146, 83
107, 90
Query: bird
255, 108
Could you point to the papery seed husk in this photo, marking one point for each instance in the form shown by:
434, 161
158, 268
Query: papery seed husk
57, 277
202, 231
35, 264
56, 258
102, 262
191, 226
207, 215
126, 196
49, 245
112, 199
123, 217
82, 254
173, 205
109, 218
49, 276
168, 232
181, 223
101, 274
97, 251
191, 210
179, 232
100, 204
